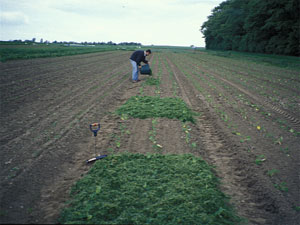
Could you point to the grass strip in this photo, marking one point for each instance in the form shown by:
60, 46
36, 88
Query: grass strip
153, 106
149, 189
14, 52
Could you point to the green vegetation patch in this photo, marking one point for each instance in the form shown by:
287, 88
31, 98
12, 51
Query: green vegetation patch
13, 52
152, 107
152, 81
148, 189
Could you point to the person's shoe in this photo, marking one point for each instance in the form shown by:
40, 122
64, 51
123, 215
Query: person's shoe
135, 81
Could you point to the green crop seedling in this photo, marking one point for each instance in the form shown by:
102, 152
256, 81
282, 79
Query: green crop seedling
259, 159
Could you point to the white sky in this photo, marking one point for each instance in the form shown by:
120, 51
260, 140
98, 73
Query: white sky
158, 22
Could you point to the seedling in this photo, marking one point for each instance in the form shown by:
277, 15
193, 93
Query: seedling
279, 141
260, 159
282, 186
248, 138
272, 172
124, 117
285, 150
292, 130
118, 144
194, 145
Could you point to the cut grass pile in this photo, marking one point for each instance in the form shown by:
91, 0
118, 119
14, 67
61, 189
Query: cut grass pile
152, 107
149, 189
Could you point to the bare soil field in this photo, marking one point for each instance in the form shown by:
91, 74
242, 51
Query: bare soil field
248, 128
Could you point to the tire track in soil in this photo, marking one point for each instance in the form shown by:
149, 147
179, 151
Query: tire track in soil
232, 165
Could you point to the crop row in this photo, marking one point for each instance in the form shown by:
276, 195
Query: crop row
213, 78
218, 99
280, 91
246, 74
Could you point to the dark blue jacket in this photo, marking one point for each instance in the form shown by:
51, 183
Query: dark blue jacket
138, 56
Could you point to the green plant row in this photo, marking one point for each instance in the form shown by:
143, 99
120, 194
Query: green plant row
151, 81
149, 189
275, 86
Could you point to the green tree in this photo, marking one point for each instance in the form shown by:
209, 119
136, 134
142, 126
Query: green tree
253, 25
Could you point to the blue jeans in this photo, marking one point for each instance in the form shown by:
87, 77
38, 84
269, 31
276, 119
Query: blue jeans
135, 71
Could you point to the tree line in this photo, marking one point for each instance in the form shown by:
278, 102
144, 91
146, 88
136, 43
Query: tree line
270, 26
68, 42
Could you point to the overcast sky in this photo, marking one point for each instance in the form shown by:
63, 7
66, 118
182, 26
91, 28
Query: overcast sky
158, 22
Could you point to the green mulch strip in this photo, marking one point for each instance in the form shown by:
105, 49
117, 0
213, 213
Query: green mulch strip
152, 81
152, 107
149, 189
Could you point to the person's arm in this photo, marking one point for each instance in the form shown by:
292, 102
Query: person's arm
145, 61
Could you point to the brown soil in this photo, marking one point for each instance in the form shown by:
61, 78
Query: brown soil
48, 104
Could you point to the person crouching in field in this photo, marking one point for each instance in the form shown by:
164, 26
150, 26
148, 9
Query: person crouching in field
136, 58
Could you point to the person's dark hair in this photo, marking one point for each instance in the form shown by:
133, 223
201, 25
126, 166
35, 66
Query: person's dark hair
148, 51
